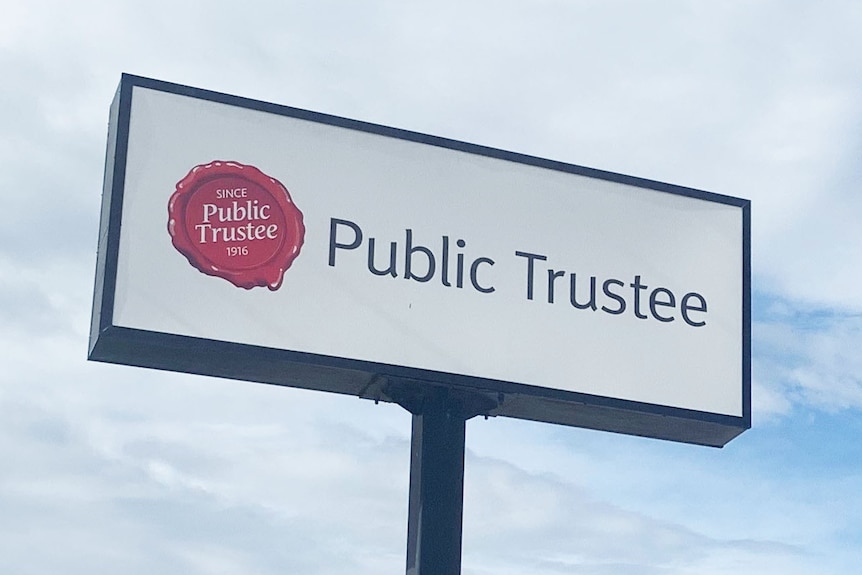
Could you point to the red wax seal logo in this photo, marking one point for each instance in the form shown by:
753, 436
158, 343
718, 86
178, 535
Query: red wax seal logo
233, 221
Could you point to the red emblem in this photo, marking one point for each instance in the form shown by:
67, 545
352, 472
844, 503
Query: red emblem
233, 221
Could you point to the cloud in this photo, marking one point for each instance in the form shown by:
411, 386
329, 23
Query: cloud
197, 478
808, 358
517, 522
197, 475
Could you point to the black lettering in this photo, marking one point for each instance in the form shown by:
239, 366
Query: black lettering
444, 264
474, 280
459, 271
392, 252
573, 297
530, 257
638, 286
333, 233
654, 301
408, 260
607, 291
685, 308
552, 276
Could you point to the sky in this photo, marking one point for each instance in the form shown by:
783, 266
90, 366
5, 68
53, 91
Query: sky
108, 468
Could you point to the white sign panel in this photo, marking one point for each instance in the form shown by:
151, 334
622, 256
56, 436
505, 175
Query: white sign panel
334, 254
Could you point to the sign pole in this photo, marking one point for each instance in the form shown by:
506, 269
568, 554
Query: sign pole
436, 488
435, 511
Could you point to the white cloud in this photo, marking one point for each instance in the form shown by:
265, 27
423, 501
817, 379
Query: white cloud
160, 479
810, 359
523, 523
184, 465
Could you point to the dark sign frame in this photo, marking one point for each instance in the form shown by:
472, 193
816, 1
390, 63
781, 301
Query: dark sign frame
382, 382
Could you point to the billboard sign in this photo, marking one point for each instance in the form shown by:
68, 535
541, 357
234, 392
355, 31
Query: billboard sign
254, 241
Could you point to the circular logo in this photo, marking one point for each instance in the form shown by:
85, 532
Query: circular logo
232, 221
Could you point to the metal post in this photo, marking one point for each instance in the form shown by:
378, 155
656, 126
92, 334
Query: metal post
436, 486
